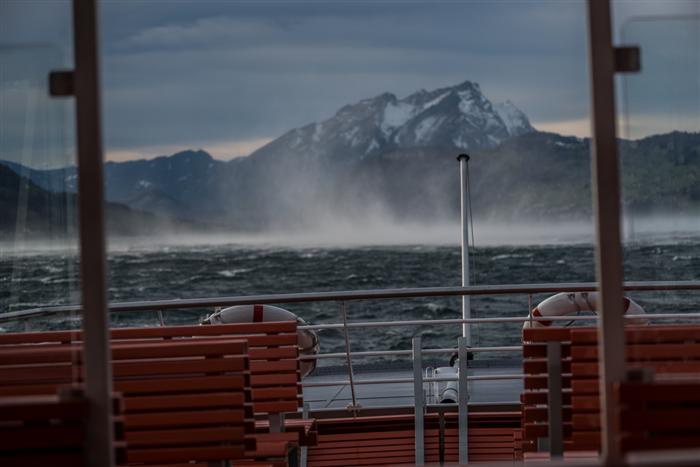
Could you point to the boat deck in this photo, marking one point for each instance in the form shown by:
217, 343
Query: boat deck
505, 391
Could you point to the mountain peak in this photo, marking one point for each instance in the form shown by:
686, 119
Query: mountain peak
464, 85
459, 116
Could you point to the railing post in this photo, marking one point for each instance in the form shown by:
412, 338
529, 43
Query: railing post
304, 449
606, 207
554, 400
161, 319
463, 418
419, 401
348, 359
85, 87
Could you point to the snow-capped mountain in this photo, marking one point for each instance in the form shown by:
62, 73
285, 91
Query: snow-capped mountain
459, 116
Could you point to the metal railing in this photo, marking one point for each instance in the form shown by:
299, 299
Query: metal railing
424, 292
161, 306
417, 379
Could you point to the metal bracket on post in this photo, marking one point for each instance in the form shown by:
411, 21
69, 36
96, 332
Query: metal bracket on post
62, 83
554, 401
419, 401
628, 59
463, 401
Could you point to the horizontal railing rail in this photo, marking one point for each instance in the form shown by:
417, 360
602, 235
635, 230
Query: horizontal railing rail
398, 353
410, 380
502, 319
423, 292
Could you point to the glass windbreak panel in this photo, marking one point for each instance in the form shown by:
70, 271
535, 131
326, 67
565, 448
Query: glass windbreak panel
39, 257
307, 146
660, 156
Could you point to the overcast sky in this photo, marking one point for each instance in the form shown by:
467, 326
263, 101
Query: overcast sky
228, 76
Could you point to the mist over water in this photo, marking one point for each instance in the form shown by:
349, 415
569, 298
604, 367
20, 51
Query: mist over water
328, 232
350, 258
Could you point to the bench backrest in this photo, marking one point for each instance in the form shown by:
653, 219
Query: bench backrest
670, 351
273, 353
183, 401
535, 395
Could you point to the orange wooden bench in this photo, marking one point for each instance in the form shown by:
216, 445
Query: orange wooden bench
274, 365
275, 378
183, 401
668, 352
388, 440
654, 415
534, 398
48, 430
493, 436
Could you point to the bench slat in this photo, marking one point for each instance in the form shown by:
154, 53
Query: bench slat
231, 399
232, 435
184, 418
177, 454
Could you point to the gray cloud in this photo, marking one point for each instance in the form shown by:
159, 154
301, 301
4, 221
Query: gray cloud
181, 74
252, 71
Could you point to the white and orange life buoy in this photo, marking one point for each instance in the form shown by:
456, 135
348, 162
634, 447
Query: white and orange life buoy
569, 303
307, 340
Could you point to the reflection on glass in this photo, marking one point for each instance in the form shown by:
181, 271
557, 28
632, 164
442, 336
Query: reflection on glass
660, 155
38, 236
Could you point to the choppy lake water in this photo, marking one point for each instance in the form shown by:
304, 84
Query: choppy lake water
50, 278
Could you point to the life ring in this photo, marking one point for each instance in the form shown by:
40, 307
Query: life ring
568, 303
307, 340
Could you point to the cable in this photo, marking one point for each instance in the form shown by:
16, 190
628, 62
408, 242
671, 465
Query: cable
472, 243
471, 223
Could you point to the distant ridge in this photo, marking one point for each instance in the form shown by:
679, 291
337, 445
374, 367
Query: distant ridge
42, 213
393, 159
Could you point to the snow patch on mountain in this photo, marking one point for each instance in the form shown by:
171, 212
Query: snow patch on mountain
396, 115
425, 128
514, 119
